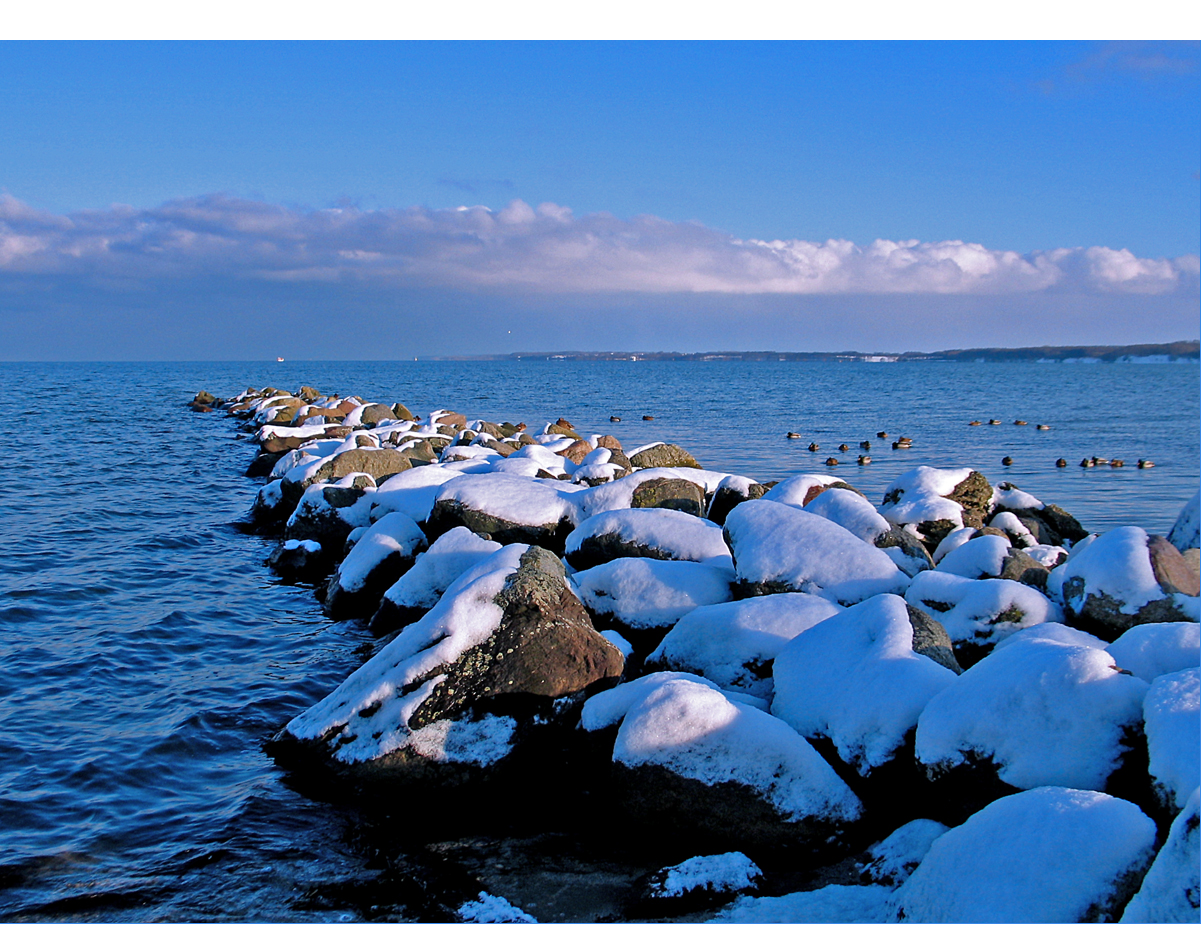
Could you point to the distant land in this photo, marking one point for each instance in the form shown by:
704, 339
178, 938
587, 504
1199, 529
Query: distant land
1175, 351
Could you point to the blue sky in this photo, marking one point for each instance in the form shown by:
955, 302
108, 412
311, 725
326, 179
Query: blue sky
620, 179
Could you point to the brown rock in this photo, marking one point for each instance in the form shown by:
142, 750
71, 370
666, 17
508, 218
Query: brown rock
677, 494
1171, 570
378, 463
609, 442
401, 412
664, 455
576, 451
455, 421
376, 413
1020, 566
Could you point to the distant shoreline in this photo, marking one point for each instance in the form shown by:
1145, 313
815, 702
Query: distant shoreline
1173, 352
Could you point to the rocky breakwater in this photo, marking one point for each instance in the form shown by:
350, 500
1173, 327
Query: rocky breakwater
975, 707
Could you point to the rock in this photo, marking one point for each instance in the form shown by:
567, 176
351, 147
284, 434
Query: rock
731, 491
846, 506
688, 761
659, 533
663, 455
328, 513
697, 884
378, 463
201, 408
554, 429
908, 544
1150, 650
455, 692
203, 398
448, 418
1112, 584
401, 412
375, 413
799, 490
1172, 715
509, 508
376, 562
1062, 523
778, 549
1049, 855
1020, 566
1170, 892
934, 502
576, 451
308, 394
299, 561
1172, 572
674, 494
418, 450
262, 464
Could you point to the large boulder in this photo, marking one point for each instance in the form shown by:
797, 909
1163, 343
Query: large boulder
780, 549
932, 503
412, 492
1150, 650
660, 533
1048, 855
733, 644
1171, 712
378, 559
509, 508
673, 494
1126, 577
1171, 889
690, 761
454, 692
328, 512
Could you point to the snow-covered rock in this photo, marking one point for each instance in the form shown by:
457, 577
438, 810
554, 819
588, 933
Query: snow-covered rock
1123, 578
1153, 649
328, 512
643, 595
660, 533
980, 557
413, 491
377, 560
852, 511
977, 614
1172, 715
699, 883
893, 859
1186, 532
733, 644
856, 679
493, 909
731, 491
801, 489
1044, 713
1049, 855
420, 588
510, 508
831, 904
779, 549
621, 493
1170, 893
932, 503
690, 758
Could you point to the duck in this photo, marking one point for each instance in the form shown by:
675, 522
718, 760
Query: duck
1020, 423
901, 444
793, 435
994, 422
614, 419
866, 444
831, 461
813, 447
647, 418
904, 439
1116, 463
1042, 426
881, 435
1146, 464
1087, 463
1007, 461
844, 448
1098, 461
974, 423
865, 460
1061, 463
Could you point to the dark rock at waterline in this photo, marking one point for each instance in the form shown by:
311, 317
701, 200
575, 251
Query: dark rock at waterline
381, 557
320, 516
261, 465
300, 561
664, 455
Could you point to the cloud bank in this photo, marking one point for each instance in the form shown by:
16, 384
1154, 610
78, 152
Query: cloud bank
536, 250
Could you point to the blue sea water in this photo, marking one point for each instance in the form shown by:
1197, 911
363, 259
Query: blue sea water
147, 652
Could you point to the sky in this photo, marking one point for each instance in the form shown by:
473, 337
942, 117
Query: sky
198, 200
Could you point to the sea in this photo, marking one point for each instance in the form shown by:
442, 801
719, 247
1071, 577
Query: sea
146, 652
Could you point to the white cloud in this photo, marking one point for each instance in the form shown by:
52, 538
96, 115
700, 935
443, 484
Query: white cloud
545, 249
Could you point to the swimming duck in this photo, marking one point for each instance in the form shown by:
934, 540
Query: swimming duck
1061, 463
843, 448
831, 461
866, 444
813, 447
904, 439
793, 435
614, 419
1020, 423
1116, 463
881, 435
1007, 461
1087, 463
1042, 426
900, 444
974, 423
1146, 464
865, 460
994, 422
647, 419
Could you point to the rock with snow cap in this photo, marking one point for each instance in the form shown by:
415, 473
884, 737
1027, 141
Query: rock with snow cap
1171, 712
378, 559
328, 512
1124, 578
934, 502
456, 692
1186, 532
660, 533
662, 455
300, 561
734, 490
1171, 889
674, 494
1048, 855
698, 884
1150, 650
509, 508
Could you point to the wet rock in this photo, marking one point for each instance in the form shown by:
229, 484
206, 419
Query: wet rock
300, 561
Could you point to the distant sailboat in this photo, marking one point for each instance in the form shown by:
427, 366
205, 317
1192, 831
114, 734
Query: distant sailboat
279, 360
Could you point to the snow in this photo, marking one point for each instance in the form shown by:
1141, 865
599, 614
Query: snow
679, 535
619, 641
1011, 498
1170, 891
1054, 632
392, 534
1153, 649
1117, 564
832, 904
894, 858
312, 504
1020, 535
795, 490
980, 612
920, 497
956, 538
607, 708
1172, 714
618, 494
1043, 856
1047, 713
393, 683
855, 679
852, 511
980, 557
777, 543
447, 559
412, 492
1048, 555
728, 872
480, 742
492, 909
693, 730
643, 593
726, 642
311, 546
1186, 532
512, 498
